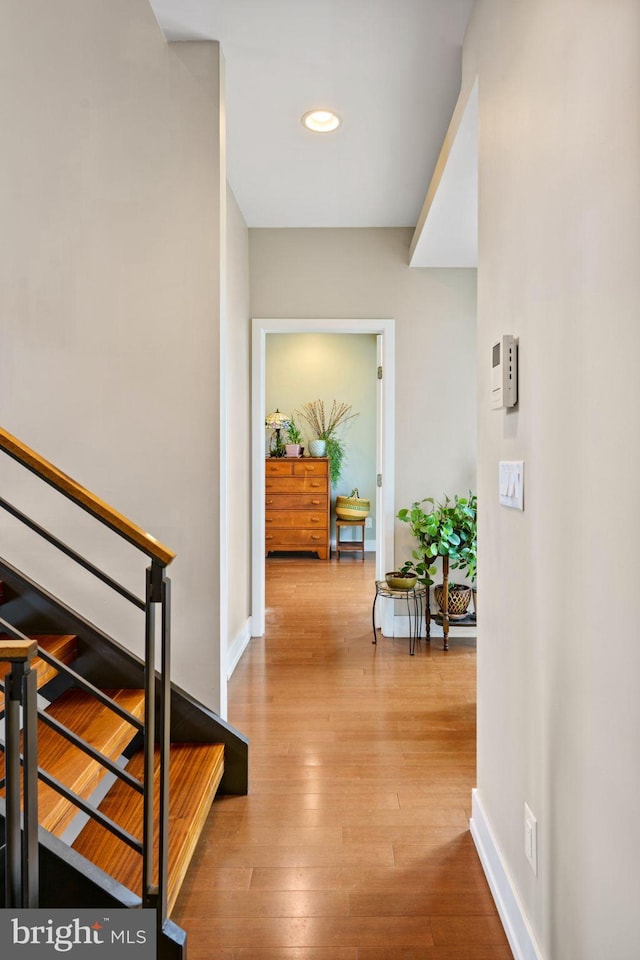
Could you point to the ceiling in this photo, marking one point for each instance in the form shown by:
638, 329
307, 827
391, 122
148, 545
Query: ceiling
389, 68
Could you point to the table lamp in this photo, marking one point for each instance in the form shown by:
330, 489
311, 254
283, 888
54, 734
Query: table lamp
277, 421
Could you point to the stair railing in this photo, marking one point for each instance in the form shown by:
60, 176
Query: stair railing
21, 846
156, 725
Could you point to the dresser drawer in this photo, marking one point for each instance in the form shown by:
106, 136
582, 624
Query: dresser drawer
278, 467
296, 501
286, 538
310, 468
295, 485
296, 518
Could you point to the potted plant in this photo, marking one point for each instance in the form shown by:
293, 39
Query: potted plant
293, 447
401, 579
446, 529
325, 428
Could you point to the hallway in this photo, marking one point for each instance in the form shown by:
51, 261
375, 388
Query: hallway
353, 843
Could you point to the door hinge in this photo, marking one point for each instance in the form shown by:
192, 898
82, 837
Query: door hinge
379, 480
379, 373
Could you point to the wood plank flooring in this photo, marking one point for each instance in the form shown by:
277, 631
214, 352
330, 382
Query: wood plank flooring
353, 843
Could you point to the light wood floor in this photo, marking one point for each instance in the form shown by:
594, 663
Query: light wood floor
353, 843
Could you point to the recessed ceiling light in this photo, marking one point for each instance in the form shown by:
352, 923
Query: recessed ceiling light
321, 121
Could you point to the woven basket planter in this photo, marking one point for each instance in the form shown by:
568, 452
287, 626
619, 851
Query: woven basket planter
353, 507
459, 600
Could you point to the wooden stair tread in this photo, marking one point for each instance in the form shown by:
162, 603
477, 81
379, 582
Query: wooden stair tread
195, 771
61, 646
101, 728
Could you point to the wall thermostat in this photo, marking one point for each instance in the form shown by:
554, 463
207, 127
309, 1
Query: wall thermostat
504, 373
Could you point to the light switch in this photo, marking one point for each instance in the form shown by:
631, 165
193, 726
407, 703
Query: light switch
511, 483
503, 480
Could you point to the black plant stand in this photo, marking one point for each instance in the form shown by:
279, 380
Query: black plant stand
413, 598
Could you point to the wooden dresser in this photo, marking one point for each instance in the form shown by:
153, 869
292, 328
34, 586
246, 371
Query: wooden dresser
297, 505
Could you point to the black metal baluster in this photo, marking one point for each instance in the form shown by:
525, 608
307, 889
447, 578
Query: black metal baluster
30, 851
149, 891
165, 739
12, 766
21, 864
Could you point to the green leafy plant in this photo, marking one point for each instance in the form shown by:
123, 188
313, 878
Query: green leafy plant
277, 446
293, 433
336, 452
468, 551
448, 529
325, 426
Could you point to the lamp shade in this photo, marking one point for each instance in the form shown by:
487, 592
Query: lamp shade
277, 420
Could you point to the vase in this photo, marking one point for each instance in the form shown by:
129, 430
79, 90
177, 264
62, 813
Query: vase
318, 448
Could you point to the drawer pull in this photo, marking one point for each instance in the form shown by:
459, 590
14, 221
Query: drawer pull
269, 537
316, 503
315, 519
269, 501
315, 484
268, 519
314, 536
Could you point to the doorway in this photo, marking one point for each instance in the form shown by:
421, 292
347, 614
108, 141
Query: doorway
384, 330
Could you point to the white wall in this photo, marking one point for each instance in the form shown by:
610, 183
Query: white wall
238, 447
558, 652
110, 240
363, 273
310, 366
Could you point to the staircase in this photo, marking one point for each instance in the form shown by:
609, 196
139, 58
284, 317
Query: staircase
128, 765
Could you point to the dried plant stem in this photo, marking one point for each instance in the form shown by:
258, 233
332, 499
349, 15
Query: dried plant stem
325, 427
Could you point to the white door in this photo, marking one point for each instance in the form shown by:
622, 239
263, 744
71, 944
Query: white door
380, 559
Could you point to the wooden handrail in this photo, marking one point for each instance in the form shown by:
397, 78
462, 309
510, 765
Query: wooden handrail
17, 650
84, 498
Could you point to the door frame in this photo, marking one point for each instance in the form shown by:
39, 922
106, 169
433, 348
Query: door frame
384, 522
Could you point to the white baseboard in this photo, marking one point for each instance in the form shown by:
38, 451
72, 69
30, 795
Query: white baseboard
514, 919
237, 648
400, 628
